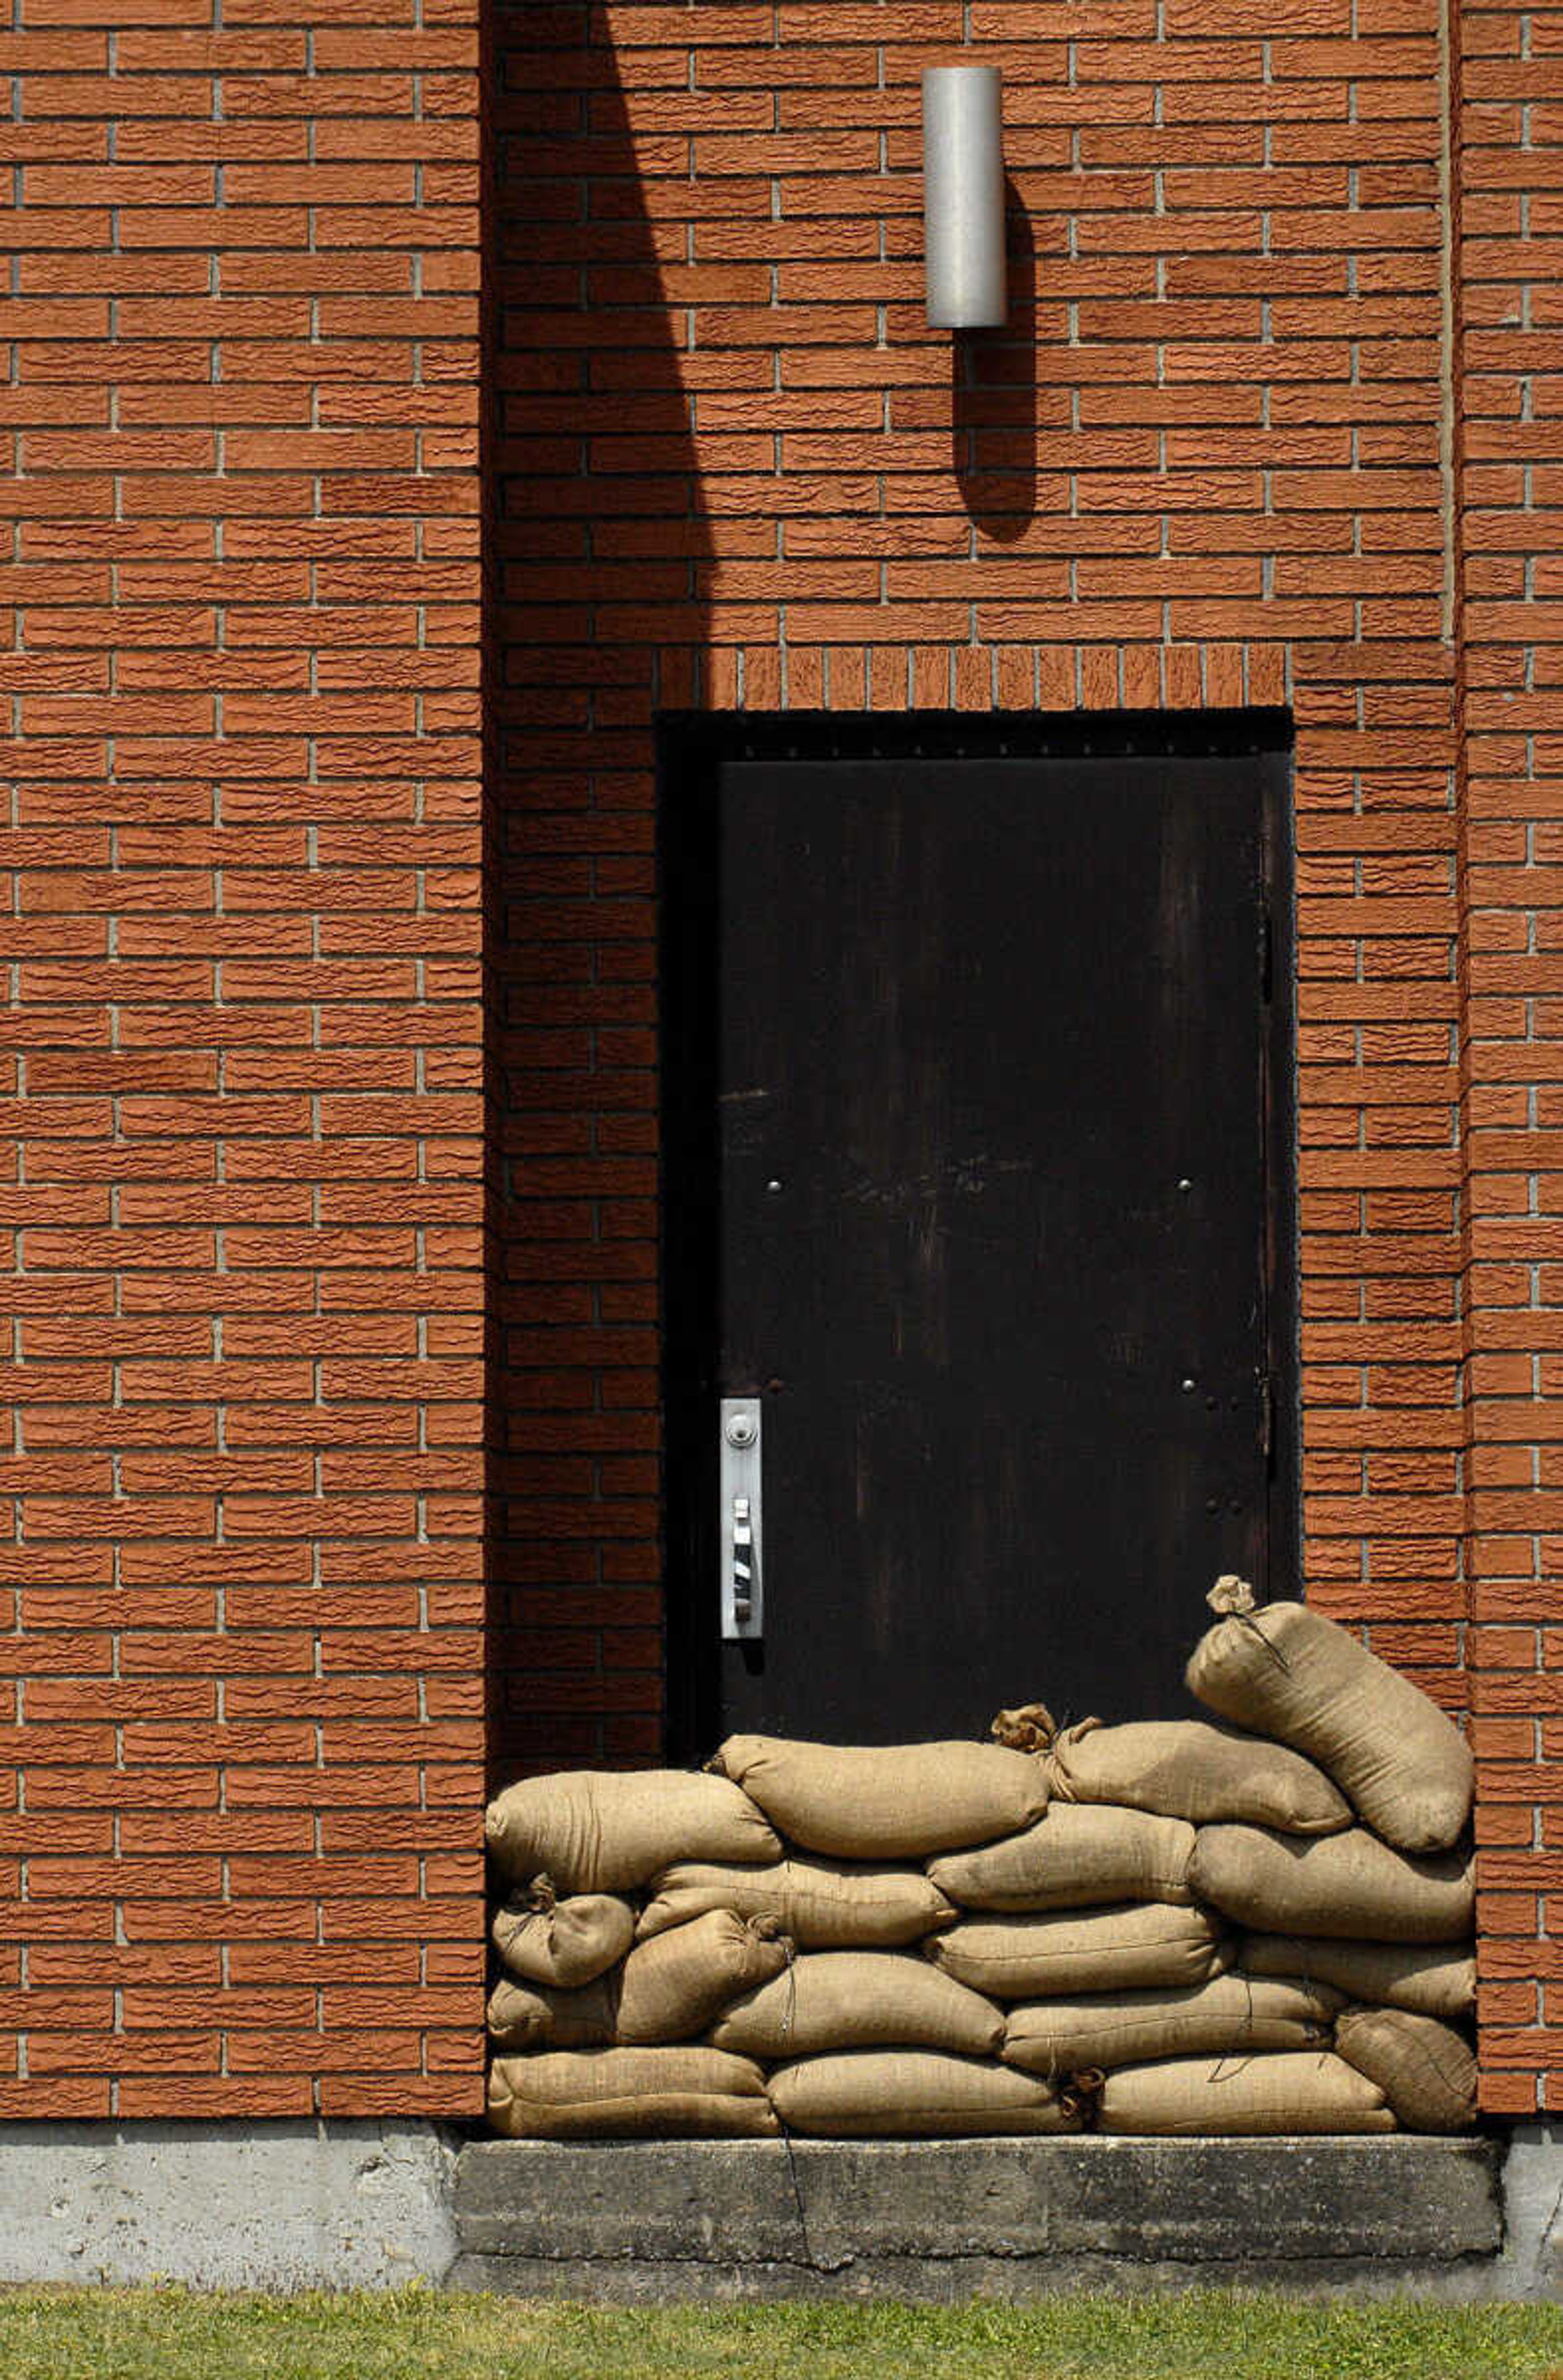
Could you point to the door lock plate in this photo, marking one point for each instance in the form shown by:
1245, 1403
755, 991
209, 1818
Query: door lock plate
739, 1533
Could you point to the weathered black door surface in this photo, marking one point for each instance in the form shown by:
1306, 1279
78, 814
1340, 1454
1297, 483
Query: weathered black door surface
977, 1113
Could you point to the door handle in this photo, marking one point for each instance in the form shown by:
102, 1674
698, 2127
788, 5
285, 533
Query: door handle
741, 1574
743, 1560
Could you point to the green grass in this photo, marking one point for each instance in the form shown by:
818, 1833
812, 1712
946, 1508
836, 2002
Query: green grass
420, 2335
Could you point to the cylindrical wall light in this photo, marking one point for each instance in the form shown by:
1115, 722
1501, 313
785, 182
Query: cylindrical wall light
963, 197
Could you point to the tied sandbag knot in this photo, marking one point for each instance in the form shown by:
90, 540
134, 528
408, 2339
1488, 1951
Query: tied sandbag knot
1061, 1786
1028, 1727
1232, 1598
1079, 2093
541, 1895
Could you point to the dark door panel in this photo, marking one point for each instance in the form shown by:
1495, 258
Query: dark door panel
970, 1178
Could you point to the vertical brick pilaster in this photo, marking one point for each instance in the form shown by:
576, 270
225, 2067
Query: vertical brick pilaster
1510, 145
240, 1640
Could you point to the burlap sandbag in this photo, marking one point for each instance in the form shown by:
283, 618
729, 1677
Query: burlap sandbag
1074, 1858
1290, 1672
1440, 1982
1423, 2069
535, 2016
1182, 1768
670, 1987
562, 1943
1347, 1887
1287, 2090
1139, 1946
822, 1904
666, 1990
605, 1831
860, 2000
627, 2095
900, 1801
1233, 2012
912, 2093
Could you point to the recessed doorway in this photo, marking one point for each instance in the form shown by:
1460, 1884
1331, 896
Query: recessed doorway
978, 1182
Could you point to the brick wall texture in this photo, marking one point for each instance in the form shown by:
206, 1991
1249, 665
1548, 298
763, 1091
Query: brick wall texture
242, 1540
1272, 423
1510, 403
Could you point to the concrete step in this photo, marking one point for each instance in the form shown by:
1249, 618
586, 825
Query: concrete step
939, 2219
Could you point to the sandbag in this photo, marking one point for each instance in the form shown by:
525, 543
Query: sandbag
665, 1991
822, 1904
1137, 1946
1232, 2013
1074, 1858
671, 1986
1423, 2069
607, 1830
1347, 1887
1440, 1982
911, 2094
860, 2000
535, 2016
1290, 1672
627, 2095
899, 1801
1189, 1768
1288, 2091
563, 1943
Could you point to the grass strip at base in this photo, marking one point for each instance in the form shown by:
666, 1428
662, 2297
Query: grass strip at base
173, 2334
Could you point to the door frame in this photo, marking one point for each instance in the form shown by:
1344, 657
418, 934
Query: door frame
691, 747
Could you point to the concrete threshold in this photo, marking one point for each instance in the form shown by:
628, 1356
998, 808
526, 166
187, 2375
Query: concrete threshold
627, 2221
329, 2205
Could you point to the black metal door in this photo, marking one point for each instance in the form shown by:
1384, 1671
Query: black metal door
976, 1176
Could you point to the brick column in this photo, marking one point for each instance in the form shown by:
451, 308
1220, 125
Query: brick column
1511, 410
240, 1545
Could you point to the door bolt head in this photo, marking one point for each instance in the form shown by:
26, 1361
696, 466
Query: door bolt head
1189, 1385
741, 1430
1184, 1183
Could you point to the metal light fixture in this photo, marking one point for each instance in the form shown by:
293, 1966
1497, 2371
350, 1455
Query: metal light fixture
963, 197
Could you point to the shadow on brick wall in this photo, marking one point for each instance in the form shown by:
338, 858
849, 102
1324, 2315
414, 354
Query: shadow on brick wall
597, 538
993, 397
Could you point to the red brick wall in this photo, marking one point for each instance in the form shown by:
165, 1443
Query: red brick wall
241, 1539
1511, 529
1208, 465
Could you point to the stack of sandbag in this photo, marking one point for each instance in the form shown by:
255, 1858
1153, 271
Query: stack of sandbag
766, 1972
1381, 1912
1327, 1810
1255, 1925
